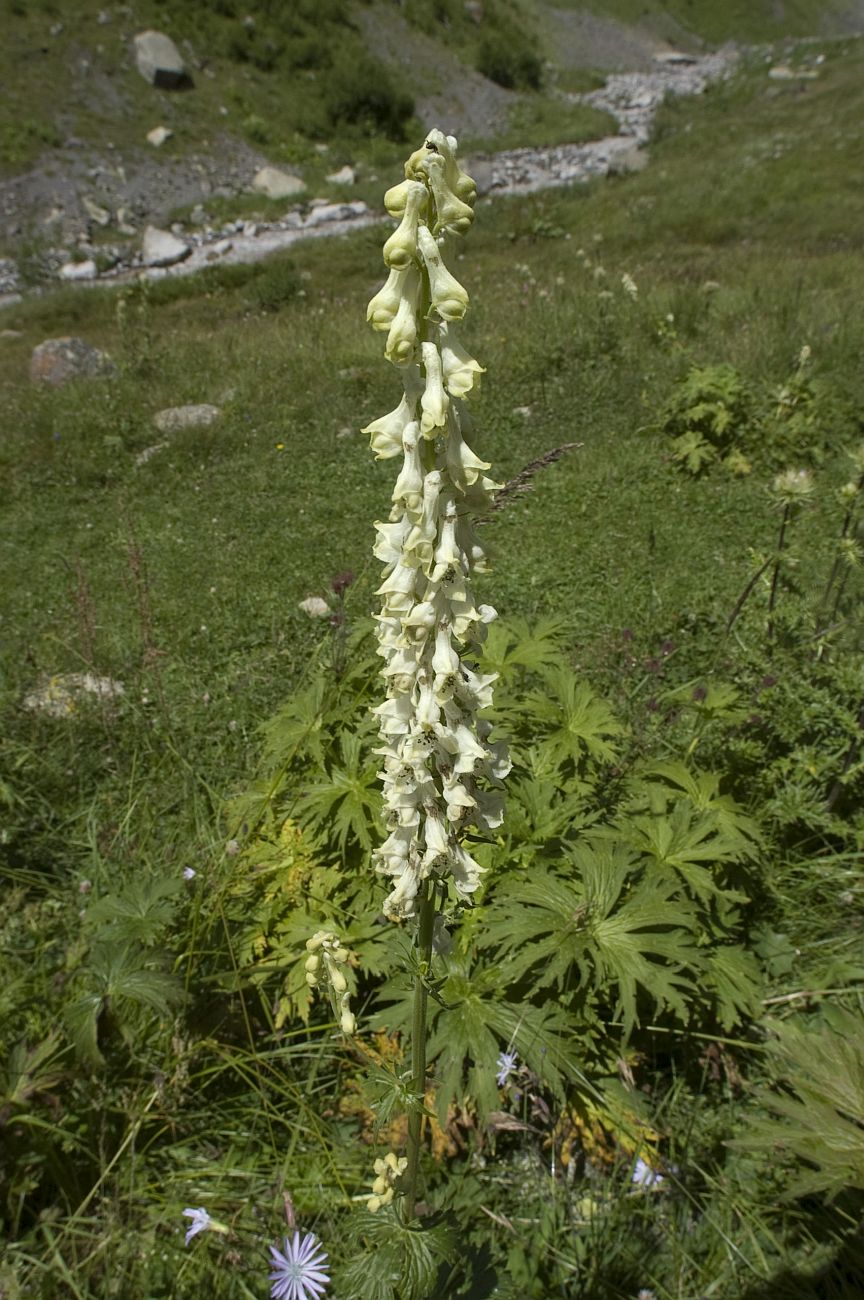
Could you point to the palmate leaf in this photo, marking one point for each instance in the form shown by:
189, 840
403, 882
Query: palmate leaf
467, 1033
818, 1105
703, 791
30, 1071
681, 841
733, 979
394, 1260
122, 977
139, 914
693, 451
514, 643
539, 813
608, 928
345, 805
294, 731
576, 723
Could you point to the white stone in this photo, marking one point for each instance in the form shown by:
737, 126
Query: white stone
59, 696
78, 270
158, 60
782, 72
334, 212
174, 419
315, 607
96, 213
161, 248
277, 184
124, 225
158, 136
149, 452
345, 176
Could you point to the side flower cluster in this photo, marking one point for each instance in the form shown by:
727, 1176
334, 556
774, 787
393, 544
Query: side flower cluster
328, 960
441, 773
387, 1173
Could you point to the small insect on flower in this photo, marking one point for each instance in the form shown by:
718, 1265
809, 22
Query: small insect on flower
506, 1067
299, 1274
200, 1223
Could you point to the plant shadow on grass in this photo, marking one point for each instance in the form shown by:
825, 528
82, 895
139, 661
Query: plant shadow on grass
841, 1279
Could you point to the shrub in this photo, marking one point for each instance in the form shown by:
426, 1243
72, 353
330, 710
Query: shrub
505, 57
361, 94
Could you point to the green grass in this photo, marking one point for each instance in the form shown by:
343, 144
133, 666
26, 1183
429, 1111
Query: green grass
182, 577
741, 21
537, 122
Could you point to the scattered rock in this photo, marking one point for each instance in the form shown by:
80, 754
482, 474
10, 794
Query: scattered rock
345, 176
631, 159
174, 419
149, 452
158, 60
277, 184
324, 212
96, 212
78, 270
11, 334
124, 225
61, 695
675, 58
315, 607
198, 217
161, 248
158, 136
57, 361
782, 72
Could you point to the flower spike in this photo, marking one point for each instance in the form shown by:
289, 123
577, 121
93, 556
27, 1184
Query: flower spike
441, 774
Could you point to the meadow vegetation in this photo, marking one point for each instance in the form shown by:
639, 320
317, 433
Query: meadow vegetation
669, 939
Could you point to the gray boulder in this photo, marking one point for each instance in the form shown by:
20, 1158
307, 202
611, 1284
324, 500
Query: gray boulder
158, 60
57, 361
86, 270
345, 176
277, 184
161, 248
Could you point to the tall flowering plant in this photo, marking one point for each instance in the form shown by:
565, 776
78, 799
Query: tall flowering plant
441, 773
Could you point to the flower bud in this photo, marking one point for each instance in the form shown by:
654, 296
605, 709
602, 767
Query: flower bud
448, 296
400, 250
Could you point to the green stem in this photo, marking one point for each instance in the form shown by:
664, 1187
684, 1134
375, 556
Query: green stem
418, 1045
775, 577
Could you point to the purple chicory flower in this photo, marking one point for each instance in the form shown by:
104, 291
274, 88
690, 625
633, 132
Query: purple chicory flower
298, 1272
506, 1067
200, 1223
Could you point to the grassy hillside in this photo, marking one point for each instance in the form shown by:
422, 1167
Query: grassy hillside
279, 76
743, 21
180, 575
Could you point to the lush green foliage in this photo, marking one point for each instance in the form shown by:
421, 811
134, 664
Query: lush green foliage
715, 415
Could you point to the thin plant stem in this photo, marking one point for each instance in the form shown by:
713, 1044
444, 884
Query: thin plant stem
775, 577
418, 1045
745, 594
835, 567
